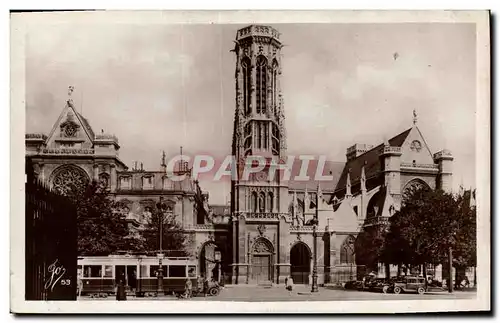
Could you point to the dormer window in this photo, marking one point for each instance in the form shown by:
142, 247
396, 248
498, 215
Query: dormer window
147, 183
125, 183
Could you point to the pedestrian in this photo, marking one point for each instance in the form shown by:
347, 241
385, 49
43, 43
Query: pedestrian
289, 284
189, 288
121, 295
205, 286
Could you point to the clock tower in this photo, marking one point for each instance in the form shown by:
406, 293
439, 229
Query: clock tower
259, 202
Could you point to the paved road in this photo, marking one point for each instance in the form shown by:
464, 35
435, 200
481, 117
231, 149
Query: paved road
302, 293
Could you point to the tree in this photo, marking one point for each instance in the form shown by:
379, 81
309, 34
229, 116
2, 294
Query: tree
174, 238
427, 225
102, 228
369, 246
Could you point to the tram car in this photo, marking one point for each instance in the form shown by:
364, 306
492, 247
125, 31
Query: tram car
100, 276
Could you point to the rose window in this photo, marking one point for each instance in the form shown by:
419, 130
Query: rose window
69, 179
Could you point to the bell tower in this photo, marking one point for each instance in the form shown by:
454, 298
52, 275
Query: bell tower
260, 199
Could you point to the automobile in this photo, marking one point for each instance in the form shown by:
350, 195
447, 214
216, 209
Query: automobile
353, 285
407, 284
379, 285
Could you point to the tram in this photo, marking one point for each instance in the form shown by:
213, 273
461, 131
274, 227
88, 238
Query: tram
100, 275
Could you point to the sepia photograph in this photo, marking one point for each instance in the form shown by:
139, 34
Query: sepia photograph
319, 162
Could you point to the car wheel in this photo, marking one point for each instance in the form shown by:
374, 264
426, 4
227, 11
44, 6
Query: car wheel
385, 289
214, 291
397, 290
420, 290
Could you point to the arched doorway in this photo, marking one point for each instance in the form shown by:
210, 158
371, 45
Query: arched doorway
262, 257
300, 261
210, 261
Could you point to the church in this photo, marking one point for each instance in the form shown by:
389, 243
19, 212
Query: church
273, 228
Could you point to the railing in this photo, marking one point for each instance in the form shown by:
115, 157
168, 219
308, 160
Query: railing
262, 216
208, 227
427, 166
106, 137
306, 228
259, 30
391, 149
67, 151
443, 153
376, 221
39, 136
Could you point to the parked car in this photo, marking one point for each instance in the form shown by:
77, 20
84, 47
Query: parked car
379, 285
353, 285
408, 284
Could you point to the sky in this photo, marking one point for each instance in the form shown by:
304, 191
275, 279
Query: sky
158, 87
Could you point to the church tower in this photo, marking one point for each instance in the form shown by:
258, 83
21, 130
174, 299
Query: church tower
259, 202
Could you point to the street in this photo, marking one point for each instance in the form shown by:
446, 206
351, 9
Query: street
302, 293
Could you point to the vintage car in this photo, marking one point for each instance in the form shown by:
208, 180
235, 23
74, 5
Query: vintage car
407, 284
379, 285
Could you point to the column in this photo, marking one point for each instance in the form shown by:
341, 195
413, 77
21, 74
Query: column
235, 250
333, 257
283, 259
41, 175
113, 177
242, 251
96, 172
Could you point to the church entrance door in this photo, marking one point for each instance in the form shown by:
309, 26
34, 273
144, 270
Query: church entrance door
261, 268
300, 259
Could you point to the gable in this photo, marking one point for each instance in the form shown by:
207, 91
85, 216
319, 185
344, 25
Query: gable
70, 129
415, 149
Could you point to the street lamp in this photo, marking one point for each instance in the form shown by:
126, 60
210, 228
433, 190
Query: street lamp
161, 209
314, 288
217, 260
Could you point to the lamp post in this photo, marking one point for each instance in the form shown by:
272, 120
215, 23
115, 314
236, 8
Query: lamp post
217, 261
161, 209
314, 287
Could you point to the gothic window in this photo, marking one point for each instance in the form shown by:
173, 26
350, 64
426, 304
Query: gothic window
262, 202
347, 251
274, 84
125, 183
270, 202
69, 178
253, 202
246, 69
259, 135
261, 85
413, 186
266, 135
147, 183
167, 184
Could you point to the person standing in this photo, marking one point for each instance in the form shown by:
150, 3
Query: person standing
289, 284
189, 288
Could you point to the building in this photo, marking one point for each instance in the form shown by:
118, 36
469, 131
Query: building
267, 231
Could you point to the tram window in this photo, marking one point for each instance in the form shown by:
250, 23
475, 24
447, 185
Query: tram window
192, 271
176, 271
92, 271
108, 271
153, 271
143, 271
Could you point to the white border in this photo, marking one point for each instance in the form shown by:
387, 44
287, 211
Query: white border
17, 157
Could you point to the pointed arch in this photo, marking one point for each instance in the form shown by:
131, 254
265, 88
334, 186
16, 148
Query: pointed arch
261, 86
274, 84
262, 246
246, 68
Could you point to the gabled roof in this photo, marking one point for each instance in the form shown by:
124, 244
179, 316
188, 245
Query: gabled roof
372, 166
84, 122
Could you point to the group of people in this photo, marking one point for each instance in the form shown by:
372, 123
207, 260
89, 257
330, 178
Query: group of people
188, 287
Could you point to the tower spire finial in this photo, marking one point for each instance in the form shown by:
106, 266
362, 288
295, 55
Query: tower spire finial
71, 88
163, 159
414, 117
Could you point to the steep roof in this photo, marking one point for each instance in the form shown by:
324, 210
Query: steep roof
331, 168
372, 167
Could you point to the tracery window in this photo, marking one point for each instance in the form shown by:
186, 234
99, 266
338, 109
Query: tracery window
69, 178
246, 69
261, 87
274, 84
